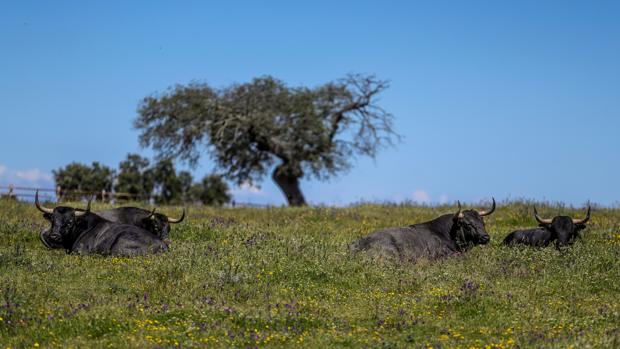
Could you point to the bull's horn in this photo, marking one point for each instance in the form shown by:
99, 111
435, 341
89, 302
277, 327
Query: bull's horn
39, 206
541, 220
486, 213
582, 221
151, 214
459, 214
172, 220
81, 213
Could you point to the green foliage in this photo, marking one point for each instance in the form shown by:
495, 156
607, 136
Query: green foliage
135, 177
284, 278
89, 179
168, 184
250, 128
212, 191
185, 181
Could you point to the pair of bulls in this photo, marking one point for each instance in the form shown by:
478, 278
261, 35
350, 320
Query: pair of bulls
121, 231
454, 233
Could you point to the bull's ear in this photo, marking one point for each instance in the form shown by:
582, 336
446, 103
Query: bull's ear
47, 216
580, 226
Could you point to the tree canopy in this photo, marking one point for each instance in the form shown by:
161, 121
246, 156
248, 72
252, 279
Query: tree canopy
265, 125
135, 177
212, 191
87, 179
142, 181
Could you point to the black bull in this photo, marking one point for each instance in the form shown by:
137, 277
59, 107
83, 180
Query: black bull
84, 232
445, 235
156, 223
561, 229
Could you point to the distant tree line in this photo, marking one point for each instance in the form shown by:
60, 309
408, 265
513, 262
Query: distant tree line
142, 180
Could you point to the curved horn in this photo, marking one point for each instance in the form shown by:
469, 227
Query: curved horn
486, 213
39, 207
541, 220
81, 213
582, 221
459, 214
172, 220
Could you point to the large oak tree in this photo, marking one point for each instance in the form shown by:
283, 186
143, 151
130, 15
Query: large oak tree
266, 126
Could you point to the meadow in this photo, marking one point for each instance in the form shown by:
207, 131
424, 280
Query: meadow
284, 277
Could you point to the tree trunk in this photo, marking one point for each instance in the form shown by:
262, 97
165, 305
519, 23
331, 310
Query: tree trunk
288, 181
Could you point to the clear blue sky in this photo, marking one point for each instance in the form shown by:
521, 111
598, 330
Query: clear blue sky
513, 99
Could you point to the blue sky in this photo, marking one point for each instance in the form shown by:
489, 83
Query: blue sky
508, 99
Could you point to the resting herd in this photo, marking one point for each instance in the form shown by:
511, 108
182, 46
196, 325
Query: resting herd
121, 231
129, 231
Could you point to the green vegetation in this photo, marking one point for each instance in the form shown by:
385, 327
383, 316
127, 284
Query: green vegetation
138, 180
248, 128
284, 278
86, 179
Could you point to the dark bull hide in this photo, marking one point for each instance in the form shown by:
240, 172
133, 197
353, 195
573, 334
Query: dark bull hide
84, 232
156, 223
561, 229
448, 234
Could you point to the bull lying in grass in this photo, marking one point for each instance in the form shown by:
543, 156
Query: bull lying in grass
445, 235
83, 232
561, 229
156, 223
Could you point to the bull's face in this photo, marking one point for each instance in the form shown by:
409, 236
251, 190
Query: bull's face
159, 224
472, 228
563, 229
64, 221
50, 241
469, 227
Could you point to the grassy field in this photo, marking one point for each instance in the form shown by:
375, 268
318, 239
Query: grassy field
285, 278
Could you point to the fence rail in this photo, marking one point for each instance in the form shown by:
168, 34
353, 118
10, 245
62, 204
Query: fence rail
59, 194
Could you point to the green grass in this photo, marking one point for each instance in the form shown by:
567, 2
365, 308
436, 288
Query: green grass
285, 278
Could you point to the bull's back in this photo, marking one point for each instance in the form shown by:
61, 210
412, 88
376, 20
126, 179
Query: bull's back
404, 242
123, 215
119, 239
132, 240
530, 237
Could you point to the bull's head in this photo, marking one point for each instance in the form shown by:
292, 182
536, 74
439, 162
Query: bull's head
64, 220
563, 229
468, 228
159, 223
